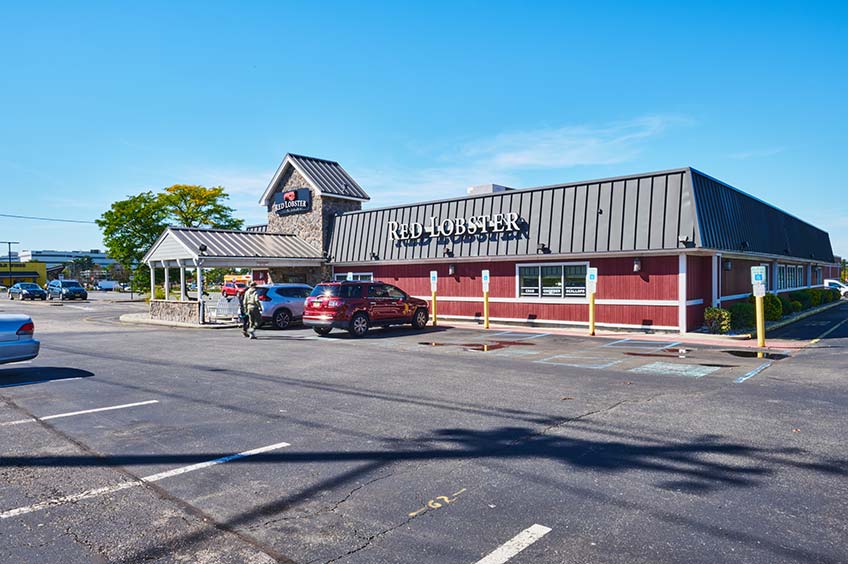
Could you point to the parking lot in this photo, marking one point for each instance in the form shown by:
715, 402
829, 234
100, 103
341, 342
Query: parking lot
455, 445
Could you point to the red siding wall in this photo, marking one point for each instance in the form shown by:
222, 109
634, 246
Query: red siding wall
699, 278
657, 280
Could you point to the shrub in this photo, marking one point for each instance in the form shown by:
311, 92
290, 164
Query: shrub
741, 315
815, 297
834, 294
802, 297
773, 309
796, 306
717, 320
786, 304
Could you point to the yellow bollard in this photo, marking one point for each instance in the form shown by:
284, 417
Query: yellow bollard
592, 313
485, 310
761, 322
435, 321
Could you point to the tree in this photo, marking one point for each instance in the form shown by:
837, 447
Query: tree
198, 206
131, 226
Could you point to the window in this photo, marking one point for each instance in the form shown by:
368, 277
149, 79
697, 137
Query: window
552, 281
781, 277
378, 291
293, 292
395, 293
357, 276
801, 276
818, 274
338, 290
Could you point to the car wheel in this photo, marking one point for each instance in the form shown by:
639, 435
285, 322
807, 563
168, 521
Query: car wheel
282, 318
359, 325
43, 298
322, 330
419, 318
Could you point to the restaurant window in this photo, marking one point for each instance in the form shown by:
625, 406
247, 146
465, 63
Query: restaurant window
781, 277
800, 280
552, 281
818, 276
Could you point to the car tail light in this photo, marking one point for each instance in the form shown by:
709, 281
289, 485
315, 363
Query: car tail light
27, 328
264, 298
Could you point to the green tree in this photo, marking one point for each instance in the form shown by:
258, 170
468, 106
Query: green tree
198, 206
131, 226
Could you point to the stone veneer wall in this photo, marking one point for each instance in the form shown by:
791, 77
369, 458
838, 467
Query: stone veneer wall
311, 275
315, 227
170, 310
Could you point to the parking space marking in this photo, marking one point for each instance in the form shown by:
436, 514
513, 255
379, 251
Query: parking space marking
516, 544
519, 336
144, 480
669, 369
577, 361
436, 503
83, 412
635, 344
40, 382
753, 372
828, 332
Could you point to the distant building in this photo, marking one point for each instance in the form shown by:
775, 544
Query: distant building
55, 258
22, 272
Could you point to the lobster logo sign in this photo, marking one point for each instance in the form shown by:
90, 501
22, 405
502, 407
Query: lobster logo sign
292, 201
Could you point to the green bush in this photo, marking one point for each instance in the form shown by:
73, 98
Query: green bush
802, 297
797, 306
741, 315
815, 297
773, 309
717, 320
786, 304
834, 294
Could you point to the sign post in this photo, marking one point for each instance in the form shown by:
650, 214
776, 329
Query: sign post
591, 288
485, 278
758, 281
434, 282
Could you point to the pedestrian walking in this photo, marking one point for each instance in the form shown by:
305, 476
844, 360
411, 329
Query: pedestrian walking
253, 309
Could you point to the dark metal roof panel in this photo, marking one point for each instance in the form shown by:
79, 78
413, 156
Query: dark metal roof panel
330, 178
597, 216
245, 244
732, 220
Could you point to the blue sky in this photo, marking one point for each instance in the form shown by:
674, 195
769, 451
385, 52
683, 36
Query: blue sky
103, 100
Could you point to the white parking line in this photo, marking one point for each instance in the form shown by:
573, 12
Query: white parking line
146, 479
515, 545
83, 412
753, 372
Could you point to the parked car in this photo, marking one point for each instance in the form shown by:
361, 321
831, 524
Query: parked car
27, 291
16, 338
358, 306
230, 289
66, 290
107, 285
837, 285
282, 304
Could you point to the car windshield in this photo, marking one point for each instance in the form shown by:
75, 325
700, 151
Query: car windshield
241, 285
337, 290
71, 284
30, 286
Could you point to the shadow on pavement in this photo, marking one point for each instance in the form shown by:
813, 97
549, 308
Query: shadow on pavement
26, 375
699, 466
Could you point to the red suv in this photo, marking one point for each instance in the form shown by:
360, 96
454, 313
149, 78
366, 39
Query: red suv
357, 306
233, 289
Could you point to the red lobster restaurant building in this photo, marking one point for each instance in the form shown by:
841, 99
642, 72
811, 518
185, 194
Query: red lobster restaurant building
666, 244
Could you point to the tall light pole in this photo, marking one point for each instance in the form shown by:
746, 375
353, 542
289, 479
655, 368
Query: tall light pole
10, 243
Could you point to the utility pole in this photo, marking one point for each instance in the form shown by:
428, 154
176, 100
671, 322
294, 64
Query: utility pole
10, 243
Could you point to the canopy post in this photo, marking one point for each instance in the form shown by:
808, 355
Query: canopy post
167, 280
182, 280
152, 280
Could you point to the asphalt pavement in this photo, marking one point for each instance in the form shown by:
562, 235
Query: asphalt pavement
136, 444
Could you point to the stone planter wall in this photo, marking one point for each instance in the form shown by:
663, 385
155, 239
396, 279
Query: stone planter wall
170, 310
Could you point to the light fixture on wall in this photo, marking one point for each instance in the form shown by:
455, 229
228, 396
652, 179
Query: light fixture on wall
451, 270
202, 248
727, 265
637, 265
542, 249
447, 252
375, 256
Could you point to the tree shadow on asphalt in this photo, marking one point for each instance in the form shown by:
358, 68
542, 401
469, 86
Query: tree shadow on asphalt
700, 466
27, 375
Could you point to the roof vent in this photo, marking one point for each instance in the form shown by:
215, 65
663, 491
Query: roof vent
487, 189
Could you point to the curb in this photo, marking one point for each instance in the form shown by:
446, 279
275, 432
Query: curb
132, 319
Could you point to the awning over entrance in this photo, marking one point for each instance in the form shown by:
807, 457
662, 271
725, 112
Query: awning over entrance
219, 248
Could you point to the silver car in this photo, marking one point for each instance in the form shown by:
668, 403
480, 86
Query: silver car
16, 338
282, 304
